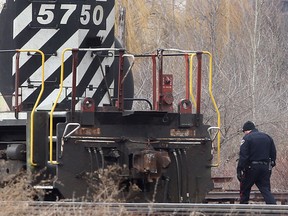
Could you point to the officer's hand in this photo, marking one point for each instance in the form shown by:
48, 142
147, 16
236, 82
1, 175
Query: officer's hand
239, 176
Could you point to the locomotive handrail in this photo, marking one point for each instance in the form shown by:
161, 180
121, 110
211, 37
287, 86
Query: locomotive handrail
16, 108
211, 96
129, 69
213, 137
215, 106
160, 53
54, 106
36, 103
137, 99
64, 136
71, 132
210, 133
121, 78
99, 49
61, 88
190, 78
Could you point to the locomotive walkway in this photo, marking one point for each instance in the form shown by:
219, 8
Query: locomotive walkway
135, 209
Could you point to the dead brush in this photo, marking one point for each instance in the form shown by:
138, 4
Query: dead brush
104, 185
18, 188
14, 190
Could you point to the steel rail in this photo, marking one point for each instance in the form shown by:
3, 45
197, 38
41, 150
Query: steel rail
233, 196
83, 208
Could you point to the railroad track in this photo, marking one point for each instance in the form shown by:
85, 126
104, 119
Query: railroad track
135, 209
233, 197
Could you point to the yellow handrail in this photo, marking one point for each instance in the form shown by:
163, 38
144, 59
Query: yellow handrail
211, 96
60, 91
215, 106
191, 78
55, 104
36, 103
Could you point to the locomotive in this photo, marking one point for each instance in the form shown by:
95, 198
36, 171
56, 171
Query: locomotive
67, 95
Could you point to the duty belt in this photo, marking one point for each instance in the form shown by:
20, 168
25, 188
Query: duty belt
259, 162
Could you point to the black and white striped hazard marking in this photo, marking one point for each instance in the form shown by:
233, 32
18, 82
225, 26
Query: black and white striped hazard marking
52, 26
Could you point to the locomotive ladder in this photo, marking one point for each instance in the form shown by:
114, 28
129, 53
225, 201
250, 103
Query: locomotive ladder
197, 105
17, 74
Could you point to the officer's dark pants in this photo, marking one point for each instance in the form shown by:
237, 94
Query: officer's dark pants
258, 174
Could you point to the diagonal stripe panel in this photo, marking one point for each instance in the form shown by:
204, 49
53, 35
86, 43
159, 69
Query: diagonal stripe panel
52, 26
91, 64
22, 20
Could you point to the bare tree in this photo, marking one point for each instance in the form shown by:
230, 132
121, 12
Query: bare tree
248, 40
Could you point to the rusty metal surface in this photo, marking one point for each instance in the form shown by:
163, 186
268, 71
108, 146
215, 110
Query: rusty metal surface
151, 162
85, 131
182, 132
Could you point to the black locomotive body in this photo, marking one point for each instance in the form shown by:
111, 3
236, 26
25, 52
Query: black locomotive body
66, 107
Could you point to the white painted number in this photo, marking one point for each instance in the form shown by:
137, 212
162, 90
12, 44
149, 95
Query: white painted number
85, 15
98, 15
70, 9
45, 15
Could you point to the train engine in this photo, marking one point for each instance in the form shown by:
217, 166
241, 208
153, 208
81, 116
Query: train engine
67, 96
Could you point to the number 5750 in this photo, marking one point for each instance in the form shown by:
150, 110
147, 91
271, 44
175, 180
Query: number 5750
46, 14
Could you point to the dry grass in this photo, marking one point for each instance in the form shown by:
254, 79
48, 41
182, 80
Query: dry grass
14, 190
17, 188
103, 187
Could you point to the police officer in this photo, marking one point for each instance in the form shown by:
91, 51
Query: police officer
256, 158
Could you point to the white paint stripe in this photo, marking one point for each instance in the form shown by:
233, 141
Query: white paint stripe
52, 64
22, 20
3, 105
109, 25
81, 70
2, 2
84, 65
105, 99
36, 42
96, 79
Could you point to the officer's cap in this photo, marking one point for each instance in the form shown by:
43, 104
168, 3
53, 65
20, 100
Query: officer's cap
249, 125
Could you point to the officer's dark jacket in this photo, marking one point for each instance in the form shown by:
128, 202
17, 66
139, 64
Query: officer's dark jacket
256, 146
